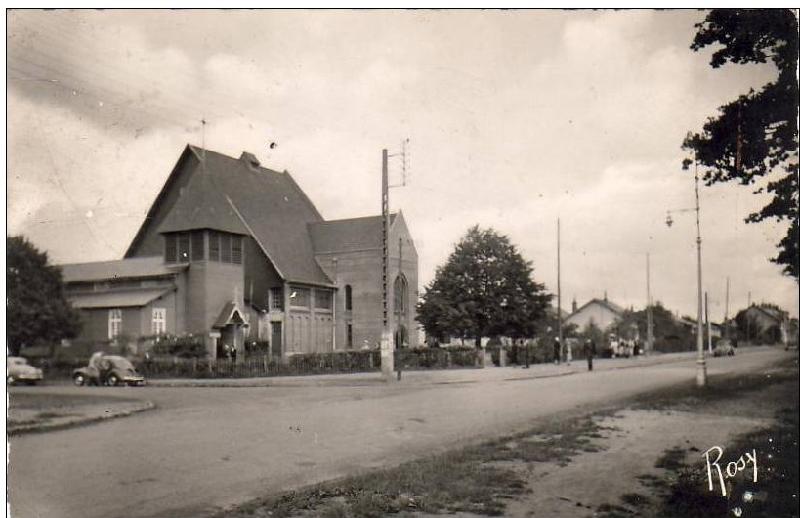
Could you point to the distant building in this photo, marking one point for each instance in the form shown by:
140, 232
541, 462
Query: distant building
763, 322
601, 312
232, 251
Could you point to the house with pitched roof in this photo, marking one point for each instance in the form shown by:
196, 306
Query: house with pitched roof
601, 312
764, 323
234, 252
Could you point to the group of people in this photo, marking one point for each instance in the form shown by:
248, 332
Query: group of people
589, 350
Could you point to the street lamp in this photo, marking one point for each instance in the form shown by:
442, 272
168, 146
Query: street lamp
701, 360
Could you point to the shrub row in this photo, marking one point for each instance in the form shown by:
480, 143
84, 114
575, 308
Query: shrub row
294, 365
436, 358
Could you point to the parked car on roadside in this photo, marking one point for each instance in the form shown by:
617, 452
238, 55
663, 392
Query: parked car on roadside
724, 348
108, 370
18, 370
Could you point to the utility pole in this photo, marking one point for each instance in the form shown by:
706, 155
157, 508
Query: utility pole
701, 361
649, 345
333, 299
558, 261
702, 377
708, 326
747, 316
387, 352
727, 300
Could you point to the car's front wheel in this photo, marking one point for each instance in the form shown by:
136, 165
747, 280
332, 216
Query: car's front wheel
113, 380
79, 380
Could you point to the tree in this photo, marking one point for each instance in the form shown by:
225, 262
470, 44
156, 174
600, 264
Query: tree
753, 139
37, 312
485, 288
666, 328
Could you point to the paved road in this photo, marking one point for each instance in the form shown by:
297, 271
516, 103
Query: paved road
214, 446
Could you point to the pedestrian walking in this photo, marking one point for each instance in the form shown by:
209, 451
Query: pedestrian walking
556, 351
589, 350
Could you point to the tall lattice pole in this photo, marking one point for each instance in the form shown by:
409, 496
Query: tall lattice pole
649, 345
385, 238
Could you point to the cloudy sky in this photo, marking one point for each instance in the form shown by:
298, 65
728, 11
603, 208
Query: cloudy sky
515, 119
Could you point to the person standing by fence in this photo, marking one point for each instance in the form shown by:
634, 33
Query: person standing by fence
589, 350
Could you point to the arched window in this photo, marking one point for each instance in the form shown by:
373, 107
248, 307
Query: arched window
400, 294
348, 298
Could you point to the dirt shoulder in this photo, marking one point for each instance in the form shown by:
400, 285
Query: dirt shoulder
626, 460
32, 412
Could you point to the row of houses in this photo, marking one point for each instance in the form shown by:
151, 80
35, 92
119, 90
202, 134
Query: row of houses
234, 252
767, 322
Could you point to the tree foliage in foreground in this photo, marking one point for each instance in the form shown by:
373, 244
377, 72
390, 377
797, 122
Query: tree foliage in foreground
753, 139
485, 288
36, 311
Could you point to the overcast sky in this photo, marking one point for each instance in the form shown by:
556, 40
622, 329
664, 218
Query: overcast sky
515, 119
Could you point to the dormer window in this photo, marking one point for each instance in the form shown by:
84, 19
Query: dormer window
183, 247
224, 247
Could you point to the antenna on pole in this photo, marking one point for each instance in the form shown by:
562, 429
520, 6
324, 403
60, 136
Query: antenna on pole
203, 139
405, 158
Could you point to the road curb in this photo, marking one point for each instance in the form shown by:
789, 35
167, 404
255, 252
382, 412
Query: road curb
301, 381
74, 422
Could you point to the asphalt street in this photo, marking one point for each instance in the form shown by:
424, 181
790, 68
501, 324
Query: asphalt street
209, 447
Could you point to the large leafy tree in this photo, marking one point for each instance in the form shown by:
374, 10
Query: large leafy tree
753, 139
664, 323
37, 313
485, 288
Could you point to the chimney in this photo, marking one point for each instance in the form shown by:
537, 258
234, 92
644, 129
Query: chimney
250, 159
574, 305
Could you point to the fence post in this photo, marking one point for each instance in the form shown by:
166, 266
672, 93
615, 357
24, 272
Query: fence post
194, 367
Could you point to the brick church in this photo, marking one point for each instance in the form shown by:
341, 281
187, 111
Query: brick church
234, 252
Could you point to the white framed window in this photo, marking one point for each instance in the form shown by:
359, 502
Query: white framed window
300, 297
159, 321
114, 323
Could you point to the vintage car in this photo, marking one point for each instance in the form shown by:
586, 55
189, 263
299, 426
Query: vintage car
108, 370
724, 348
18, 370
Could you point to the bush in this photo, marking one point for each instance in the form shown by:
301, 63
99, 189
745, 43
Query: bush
186, 346
437, 358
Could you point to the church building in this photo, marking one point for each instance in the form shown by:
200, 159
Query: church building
234, 252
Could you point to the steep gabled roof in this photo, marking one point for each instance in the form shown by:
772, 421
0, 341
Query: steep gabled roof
614, 308
247, 199
773, 313
201, 204
347, 235
122, 269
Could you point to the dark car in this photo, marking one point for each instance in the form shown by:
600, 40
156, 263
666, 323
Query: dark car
109, 370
